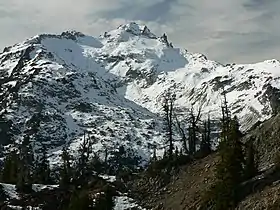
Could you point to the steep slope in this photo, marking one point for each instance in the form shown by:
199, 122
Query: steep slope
149, 68
186, 188
56, 87
55, 97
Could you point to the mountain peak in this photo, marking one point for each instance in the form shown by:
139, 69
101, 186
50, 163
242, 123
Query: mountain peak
72, 34
137, 29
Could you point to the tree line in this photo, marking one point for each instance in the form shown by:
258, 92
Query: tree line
74, 176
195, 139
237, 162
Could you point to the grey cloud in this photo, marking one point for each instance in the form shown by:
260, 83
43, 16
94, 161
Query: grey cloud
258, 4
227, 30
135, 10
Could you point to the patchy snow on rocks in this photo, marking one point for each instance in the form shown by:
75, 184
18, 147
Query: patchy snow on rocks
10, 191
40, 187
108, 178
125, 203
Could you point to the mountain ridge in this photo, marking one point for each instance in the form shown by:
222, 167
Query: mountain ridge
113, 87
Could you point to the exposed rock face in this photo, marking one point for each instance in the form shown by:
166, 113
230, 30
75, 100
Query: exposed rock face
55, 87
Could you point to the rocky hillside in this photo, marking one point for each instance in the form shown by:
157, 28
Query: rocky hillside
55, 88
185, 189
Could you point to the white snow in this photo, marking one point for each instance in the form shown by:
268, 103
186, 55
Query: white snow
40, 187
108, 178
15, 207
10, 191
125, 203
27, 207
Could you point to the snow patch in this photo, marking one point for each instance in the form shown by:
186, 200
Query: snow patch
125, 203
40, 187
10, 191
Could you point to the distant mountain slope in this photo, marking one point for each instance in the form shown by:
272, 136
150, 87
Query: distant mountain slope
56, 87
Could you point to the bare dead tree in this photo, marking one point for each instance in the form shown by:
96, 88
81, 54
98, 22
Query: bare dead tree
205, 145
168, 107
183, 135
193, 129
226, 118
154, 152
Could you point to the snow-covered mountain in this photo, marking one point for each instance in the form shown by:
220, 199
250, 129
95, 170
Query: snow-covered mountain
56, 87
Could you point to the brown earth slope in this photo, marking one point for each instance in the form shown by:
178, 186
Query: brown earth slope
184, 190
186, 187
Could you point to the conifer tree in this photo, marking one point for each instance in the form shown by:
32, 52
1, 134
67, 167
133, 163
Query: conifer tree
205, 145
154, 153
83, 163
96, 165
42, 169
123, 161
66, 172
26, 164
5, 135
191, 141
229, 171
193, 130
106, 156
176, 152
225, 121
164, 154
251, 167
10, 170
118, 159
231, 153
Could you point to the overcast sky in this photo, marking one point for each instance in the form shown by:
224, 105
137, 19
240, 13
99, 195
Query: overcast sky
240, 31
